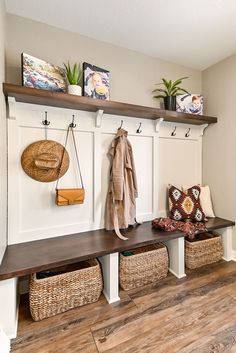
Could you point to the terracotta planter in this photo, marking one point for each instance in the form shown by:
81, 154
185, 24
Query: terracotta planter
74, 89
170, 102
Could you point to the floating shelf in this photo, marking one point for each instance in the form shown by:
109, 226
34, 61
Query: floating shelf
64, 100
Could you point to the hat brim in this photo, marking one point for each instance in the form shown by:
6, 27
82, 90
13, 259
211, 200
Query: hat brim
34, 150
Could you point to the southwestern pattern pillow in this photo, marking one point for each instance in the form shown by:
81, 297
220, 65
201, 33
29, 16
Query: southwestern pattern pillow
185, 205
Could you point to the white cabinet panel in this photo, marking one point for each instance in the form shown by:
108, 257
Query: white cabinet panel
38, 215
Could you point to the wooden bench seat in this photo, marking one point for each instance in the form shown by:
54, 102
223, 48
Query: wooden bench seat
25, 258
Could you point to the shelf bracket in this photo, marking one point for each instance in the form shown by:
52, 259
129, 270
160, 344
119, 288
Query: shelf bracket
11, 108
99, 115
202, 129
158, 124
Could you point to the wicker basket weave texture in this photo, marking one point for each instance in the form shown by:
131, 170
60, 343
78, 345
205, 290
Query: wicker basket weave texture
53, 295
148, 264
203, 252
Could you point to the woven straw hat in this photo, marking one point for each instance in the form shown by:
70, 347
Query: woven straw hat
42, 160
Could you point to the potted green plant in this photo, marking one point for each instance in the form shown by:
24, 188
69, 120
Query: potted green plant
74, 76
169, 92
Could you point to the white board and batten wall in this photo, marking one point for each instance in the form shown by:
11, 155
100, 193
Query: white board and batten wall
160, 159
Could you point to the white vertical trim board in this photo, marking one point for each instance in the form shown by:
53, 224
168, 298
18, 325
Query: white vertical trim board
9, 307
110, 270
226, 234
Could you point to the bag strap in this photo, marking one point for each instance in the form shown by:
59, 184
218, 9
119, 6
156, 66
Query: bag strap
77, 156
70, 127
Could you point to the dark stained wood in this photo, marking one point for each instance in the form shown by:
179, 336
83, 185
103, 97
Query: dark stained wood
195, 314
64, 100
218, 223
25, 258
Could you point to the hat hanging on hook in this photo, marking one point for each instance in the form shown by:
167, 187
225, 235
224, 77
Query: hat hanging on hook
45, 160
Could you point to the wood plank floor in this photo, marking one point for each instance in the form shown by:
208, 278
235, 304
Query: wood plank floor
196, 314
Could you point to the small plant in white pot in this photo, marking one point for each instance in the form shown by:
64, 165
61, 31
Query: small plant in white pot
74, 76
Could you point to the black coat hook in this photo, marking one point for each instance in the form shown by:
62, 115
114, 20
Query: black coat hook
138, 131
45, 122
121, 124
72, 124
173, 132
187, 133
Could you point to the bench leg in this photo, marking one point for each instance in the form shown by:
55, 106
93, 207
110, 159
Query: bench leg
9, 307
176, 256
110, 269
226, 234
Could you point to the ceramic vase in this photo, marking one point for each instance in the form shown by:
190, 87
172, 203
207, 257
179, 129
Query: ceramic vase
74, 89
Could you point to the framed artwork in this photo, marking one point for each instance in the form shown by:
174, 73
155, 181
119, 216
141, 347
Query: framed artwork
96, 82
37, 73
190, 103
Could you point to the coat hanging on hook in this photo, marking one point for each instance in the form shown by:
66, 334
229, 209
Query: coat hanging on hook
122, 191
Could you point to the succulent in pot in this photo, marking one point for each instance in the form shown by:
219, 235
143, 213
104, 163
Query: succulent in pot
169, 92
74, 75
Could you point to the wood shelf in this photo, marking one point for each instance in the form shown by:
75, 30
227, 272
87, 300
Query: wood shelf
64, 100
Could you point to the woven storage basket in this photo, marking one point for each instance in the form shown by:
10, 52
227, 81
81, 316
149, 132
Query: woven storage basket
70, 287
205, 249
147, 264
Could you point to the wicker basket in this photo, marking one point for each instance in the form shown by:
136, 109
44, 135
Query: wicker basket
205, 249
147, 264
68, 287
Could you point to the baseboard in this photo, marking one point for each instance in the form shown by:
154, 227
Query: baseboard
176, 275
233, 252
111, 300
5, 343
13, 334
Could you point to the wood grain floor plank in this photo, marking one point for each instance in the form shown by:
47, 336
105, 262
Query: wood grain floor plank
170, 309
174, 335
222, 340
83, 318
153, 294
60, 342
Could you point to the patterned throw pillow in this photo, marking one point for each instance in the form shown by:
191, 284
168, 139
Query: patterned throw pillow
185, 206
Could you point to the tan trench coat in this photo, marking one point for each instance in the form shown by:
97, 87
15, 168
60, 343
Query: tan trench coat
122, 191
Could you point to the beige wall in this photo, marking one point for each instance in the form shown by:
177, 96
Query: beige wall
133, 75
3, 169
219, 142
